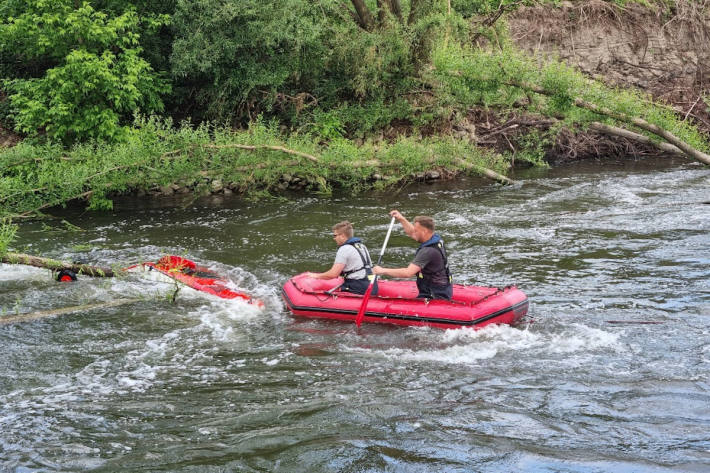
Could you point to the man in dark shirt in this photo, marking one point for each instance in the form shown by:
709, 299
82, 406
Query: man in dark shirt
430, 262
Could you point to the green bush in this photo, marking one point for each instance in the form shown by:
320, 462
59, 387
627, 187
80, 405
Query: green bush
237, 56
94, 77
155, 153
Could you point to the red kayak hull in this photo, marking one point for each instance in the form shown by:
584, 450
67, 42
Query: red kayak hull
396, 303
197, 277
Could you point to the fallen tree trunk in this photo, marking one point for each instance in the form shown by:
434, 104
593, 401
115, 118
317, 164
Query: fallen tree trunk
490, 174
485, 172
616, 131
639, 122
264, 147
64, 310
55, 265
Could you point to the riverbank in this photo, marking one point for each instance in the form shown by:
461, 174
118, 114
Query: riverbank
659, 48
472, 106
158, 159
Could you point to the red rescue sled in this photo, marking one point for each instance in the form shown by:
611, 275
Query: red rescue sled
396, 303
197, 277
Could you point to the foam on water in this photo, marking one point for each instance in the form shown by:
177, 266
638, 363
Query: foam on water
203, 321
150, 361
14, 272
579, 337
469, 346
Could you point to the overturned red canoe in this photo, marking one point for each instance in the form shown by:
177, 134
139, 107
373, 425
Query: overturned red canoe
396, 303
197, 277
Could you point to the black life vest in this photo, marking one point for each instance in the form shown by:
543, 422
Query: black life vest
364, 256
436, 242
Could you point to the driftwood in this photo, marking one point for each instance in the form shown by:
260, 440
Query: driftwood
688, 150
55, 265
65, 310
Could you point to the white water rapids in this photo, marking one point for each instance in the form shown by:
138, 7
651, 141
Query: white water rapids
208, 385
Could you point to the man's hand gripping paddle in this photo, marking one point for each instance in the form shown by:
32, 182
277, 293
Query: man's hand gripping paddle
363, 306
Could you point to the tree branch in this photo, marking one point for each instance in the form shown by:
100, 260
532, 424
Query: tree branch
413, 11
65, 310
490, 174
639, 122
55, 265
397, 10
615, 131
265, 147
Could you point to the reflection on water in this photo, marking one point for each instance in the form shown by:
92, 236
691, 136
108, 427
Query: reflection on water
212, 385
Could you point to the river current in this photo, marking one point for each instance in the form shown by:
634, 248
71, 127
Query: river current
609, 373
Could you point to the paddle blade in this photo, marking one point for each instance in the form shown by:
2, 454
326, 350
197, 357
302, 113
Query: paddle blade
361, 313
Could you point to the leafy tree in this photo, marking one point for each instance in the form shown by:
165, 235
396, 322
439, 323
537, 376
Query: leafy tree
231, 54
88, 72
235, 59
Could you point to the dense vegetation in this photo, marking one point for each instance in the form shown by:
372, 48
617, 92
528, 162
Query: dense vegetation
120, 96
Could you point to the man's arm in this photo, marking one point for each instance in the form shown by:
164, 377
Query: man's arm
406, 225
407, 272
333, 272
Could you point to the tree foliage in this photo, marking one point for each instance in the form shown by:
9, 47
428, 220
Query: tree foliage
230, 54
88, 72
319, 77
242, 58
156, 154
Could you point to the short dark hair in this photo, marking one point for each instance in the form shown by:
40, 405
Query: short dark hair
344, 227
424, 221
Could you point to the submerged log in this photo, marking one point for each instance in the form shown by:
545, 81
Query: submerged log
64, 310
56, 265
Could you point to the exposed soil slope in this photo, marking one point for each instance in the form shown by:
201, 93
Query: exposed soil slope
664, 51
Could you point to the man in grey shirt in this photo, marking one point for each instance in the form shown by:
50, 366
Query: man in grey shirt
352, 261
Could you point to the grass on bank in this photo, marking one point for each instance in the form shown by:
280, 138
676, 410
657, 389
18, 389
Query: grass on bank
507, 79
156, 154
7, 235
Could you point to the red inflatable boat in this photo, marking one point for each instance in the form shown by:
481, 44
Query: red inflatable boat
196, 277
396, 303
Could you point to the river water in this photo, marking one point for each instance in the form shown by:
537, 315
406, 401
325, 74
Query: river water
587, 384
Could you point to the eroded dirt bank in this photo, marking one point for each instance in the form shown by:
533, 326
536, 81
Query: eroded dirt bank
664, 51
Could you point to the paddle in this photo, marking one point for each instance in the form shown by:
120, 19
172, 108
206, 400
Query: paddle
361, 313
